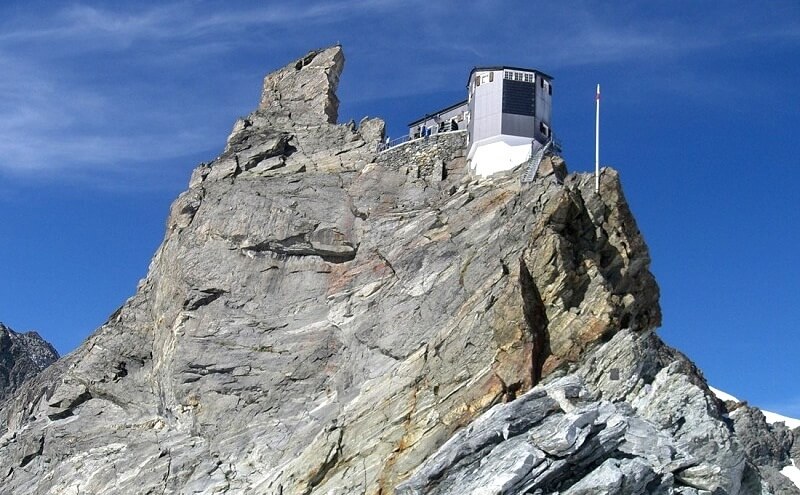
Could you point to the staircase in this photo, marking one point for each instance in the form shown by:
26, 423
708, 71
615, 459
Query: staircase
534, 161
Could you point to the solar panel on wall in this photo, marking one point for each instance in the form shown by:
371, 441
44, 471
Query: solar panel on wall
518, 97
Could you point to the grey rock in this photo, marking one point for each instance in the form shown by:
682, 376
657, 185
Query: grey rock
565, 434
765, 444
22, 356
776, 483
306, 92
589, 445
667, 390
553, 165
616, 476
768, 447
372, 130
477, 442
795, 450
321, 318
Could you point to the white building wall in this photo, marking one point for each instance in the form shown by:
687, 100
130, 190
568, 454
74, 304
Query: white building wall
486, 104
490, 151
498, 154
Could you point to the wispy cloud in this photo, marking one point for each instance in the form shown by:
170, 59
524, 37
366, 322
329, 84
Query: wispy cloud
592, 33
90, 85
184, 20
51, 125
103, 88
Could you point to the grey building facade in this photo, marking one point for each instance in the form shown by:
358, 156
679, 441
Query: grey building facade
507, 113
447, 119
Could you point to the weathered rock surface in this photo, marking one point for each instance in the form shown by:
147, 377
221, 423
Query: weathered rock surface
769, 447
634, 417
22, 356
320, 319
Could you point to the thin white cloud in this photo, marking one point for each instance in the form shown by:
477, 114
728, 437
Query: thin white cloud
184, 20
48, 126
54, 118
593, 33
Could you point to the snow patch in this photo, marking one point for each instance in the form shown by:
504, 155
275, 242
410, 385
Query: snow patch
772, 417
792, 473
723, 396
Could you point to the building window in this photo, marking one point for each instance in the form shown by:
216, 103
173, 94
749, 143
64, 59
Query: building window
491, 76
513, 75
550, 89
542, 82
477, 80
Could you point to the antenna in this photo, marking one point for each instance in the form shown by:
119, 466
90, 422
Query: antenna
597, 142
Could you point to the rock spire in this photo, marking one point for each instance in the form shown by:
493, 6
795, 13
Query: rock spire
305, 90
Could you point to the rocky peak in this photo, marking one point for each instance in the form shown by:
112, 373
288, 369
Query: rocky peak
294, 129
22, 356
323, 319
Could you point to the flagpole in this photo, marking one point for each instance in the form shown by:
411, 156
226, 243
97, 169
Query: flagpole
597, 142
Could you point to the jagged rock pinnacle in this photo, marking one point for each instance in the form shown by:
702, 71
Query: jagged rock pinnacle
305, 90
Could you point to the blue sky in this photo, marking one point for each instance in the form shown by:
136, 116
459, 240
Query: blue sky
105, 109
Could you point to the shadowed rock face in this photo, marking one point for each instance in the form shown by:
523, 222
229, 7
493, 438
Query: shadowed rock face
22, 356
321, 320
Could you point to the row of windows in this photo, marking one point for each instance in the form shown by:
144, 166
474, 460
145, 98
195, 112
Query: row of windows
513, 75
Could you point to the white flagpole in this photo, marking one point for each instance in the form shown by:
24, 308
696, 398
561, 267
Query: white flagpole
597, 142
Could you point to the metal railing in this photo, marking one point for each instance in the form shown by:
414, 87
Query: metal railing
387, 145
534, 160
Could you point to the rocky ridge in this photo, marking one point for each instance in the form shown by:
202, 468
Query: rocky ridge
22, 356
323, 319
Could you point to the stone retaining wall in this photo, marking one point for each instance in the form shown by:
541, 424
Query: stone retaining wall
439, 155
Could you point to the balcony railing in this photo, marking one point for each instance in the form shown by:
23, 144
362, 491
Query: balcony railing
387, 145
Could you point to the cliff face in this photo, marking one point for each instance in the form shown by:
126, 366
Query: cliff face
321, 319
22, 356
